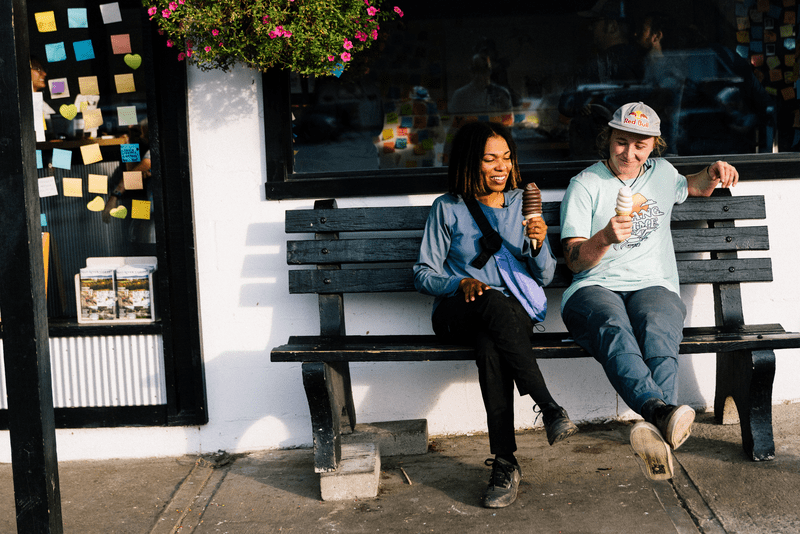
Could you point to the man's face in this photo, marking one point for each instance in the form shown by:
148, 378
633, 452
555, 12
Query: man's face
38, 77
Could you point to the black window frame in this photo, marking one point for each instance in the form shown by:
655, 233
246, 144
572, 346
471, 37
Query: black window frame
179, 322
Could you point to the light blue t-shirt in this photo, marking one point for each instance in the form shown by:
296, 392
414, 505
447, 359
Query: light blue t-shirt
647, 257
450, 243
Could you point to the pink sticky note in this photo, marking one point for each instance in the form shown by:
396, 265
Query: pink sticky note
132, 180
121, 44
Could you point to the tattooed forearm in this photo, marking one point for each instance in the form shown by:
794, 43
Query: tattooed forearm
574, 252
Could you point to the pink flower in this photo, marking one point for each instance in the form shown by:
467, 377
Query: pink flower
189, 52
374, 35
220, 43
345, 56
166, 13
331, 58
170, 44
181, 56
181, 2
173, 6
372, 11
207, 49
190, 44
361, 36
265, 19
152, 11
215, 32
398, 11
348, 44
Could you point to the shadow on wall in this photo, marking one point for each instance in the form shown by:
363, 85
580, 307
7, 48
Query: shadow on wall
216, 96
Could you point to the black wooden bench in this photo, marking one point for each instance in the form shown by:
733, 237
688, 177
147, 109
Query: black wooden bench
382, 244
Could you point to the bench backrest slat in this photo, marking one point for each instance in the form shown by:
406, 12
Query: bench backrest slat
406, 249
393, 279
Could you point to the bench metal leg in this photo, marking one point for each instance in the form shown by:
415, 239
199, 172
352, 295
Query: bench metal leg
746, 377
330, 400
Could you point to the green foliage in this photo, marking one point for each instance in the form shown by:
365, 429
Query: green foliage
311, 37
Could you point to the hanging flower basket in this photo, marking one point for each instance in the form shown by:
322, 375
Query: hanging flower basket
310, 37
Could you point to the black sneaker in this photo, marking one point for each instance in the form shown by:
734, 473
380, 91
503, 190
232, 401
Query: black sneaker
674, 422
503, 484
557, 423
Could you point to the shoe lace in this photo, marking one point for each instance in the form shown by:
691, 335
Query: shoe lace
501, 473
538, 411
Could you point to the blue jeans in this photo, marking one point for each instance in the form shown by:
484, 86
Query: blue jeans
635, 336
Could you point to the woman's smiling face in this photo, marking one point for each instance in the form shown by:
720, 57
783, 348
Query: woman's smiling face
496, 165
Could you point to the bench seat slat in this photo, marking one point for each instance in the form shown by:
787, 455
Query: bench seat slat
379, 280
413, 217
406, 249
547, 345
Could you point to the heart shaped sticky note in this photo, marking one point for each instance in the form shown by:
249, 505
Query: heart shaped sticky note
120, 212
68, 111
97, 204
134, 61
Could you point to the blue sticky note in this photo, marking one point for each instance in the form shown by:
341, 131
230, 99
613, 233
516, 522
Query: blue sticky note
62, 158
43, 219
39, 164
775, 11
83, 50
400, 142
756, 46
76, 16
130, 153
756, 33
789, 43
743, 51
55, 52
338, 69
406, 122
741, 10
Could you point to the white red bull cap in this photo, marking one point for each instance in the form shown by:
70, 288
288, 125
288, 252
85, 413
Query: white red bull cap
636, 117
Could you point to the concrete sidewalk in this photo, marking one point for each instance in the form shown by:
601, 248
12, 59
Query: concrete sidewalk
592, 483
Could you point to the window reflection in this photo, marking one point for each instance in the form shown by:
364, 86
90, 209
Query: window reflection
720, 74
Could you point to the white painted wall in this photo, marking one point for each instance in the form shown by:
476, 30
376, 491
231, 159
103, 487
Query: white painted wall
246, 310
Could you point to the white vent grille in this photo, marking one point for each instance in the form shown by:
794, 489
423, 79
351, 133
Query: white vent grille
103, 371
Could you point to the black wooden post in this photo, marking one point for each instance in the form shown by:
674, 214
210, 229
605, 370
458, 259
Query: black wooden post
22, 294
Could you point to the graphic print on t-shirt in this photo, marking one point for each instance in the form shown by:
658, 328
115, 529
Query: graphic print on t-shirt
645, 216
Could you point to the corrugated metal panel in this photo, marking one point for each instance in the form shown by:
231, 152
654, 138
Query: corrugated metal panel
104, 371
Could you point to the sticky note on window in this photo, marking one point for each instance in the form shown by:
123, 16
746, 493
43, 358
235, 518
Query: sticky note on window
132, 180
58, 88
92, 118
83, 50
124, 83
773, 62
62, 158
43, 219
88, 85
46, 21
39, 164
76, 17
121, 44
140, 209
110, 13
98, 183
47, 187
127, 115
388, 133
55, 52
130, 153
787, 30
91, 154
73, 187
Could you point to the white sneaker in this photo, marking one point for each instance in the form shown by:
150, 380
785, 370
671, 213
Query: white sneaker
647, 442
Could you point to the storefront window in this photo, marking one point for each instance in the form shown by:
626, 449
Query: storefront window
722, 75
97, 175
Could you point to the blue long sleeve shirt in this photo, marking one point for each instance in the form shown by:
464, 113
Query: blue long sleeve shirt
450, 243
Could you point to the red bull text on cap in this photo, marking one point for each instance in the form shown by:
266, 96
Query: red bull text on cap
636, 117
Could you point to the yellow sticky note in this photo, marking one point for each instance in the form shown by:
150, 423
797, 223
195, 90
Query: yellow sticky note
132, 180
88, 85
91, 153
140, 209
46, 21
388, 133
98, 183
124, 83
92, 118
73, 187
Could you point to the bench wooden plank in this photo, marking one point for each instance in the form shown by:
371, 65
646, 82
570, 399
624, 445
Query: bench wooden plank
406, 249
548, 345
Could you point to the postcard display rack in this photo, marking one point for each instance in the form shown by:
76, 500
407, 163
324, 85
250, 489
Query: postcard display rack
116, 290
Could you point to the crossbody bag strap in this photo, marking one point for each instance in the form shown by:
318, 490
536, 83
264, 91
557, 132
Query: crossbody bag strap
490, 241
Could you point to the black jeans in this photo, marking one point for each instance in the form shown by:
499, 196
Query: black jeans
501, 331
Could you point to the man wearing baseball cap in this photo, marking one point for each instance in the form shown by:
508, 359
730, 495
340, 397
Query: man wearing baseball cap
624, 304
